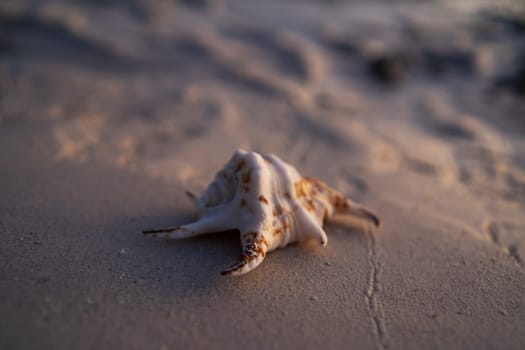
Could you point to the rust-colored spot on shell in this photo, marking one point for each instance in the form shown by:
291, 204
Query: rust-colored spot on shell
303, 188
277, 231
256, 245
242, 202
339, 202
274, 213
240, 165
287, 195
309, 204
316, 184
299, 189
263, 199
246, 176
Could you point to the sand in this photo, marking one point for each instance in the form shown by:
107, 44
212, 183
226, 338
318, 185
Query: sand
109, 111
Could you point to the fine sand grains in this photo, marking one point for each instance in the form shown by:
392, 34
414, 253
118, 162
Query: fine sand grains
110, 110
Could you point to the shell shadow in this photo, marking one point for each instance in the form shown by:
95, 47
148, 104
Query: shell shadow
188, 267
185, 266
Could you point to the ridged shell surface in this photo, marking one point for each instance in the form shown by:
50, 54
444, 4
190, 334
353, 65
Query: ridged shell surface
269, 203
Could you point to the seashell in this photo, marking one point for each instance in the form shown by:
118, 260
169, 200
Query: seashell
269, 203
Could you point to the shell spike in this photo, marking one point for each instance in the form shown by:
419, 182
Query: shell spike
254, 250
244, 265
196, 228
192, 197
360, 211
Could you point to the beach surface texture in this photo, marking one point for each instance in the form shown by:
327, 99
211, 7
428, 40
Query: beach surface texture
111, 110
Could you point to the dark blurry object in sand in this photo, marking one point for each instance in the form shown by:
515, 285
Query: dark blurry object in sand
344, 47
515, 21
439, 61
514, 82
23, 30
388, 68
198, 4
5, 44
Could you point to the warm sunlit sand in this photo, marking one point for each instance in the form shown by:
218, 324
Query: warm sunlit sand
110, 110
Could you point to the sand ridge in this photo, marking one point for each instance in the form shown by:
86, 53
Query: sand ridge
110, 110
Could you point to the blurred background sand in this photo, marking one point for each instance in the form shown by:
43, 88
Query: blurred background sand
109, 110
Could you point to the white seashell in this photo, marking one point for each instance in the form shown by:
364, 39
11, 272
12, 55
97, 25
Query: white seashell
269, 203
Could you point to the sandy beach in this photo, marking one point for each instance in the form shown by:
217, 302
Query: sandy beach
111, 110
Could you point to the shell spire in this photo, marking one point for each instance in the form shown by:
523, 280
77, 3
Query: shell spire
269, 203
